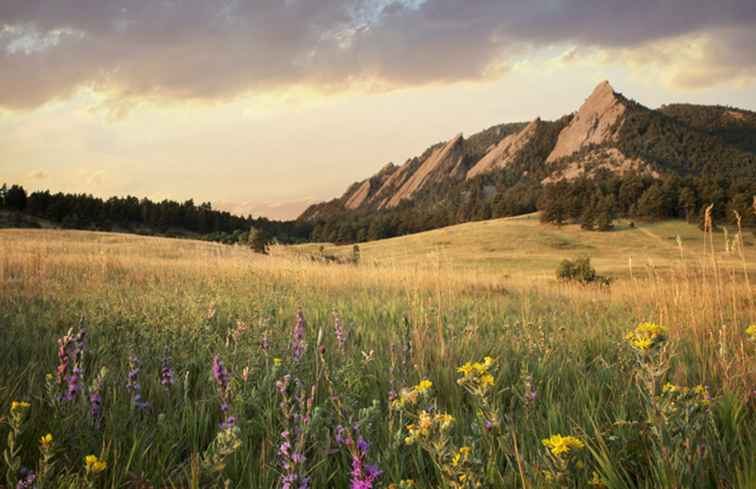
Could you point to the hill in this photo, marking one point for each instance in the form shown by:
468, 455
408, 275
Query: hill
506, 170
522, 246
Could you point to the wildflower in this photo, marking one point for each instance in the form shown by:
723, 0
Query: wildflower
646, 336
427, 425
94, 465
46, 441
70, 353
751, 332
341, 335
298, 344
559, 445
19, 406
166, 373
363, 475
221, 379
461, 456
27, 479
423, 386
476, 376
277, 362
133, 385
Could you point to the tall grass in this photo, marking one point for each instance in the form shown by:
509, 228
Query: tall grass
562, 366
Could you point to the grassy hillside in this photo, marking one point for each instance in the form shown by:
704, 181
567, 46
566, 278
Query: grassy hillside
388, 384
522, 246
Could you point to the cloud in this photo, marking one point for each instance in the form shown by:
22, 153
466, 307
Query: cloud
217, 49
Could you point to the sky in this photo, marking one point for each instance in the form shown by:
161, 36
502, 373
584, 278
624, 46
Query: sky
267, 106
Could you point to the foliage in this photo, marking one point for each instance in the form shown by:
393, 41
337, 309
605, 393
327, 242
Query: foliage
579, 270
82, 211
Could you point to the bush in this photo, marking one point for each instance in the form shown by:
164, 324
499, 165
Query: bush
580, 271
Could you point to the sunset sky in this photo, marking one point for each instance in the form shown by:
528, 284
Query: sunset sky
264, 106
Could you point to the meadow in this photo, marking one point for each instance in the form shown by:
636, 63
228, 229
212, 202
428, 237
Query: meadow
449, 359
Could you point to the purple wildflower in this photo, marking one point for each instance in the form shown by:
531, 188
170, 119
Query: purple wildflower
221, 379
341, 335
133, 385
363, 475
341, 438
298, 344
220, 375
166, 373
27, 479
70, 355
95, 406
297, 411
73, 384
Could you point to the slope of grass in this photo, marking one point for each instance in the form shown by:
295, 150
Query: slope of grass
523, 246
560, 365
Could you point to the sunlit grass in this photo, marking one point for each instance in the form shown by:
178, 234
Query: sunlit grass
562, 365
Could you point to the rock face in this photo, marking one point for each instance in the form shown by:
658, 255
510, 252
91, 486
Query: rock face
362, 192
445, 162
611, 159
504, 153
597, 122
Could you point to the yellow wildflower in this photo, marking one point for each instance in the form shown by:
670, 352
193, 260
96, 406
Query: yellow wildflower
751, 332
445, 420
19, 406
646, 335
277, 362
465, 451
423, 386
642, 343
455, 459
46, 441
559, 444
94, 465
426, 422
465, 369
487, 379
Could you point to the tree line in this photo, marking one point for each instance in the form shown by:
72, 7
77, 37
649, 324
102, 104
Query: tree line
143, 216
594, 203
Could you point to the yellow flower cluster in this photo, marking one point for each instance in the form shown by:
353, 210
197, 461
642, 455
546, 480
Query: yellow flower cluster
409, 396
94, 465
751, 332
461, 456
646, 336
17, 406
423, 386
426, 425
699, 393
476, 374
46, 441
559, 444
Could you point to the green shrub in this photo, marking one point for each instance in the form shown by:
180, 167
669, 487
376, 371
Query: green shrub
579, 270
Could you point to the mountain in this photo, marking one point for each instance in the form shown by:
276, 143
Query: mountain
608, 134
